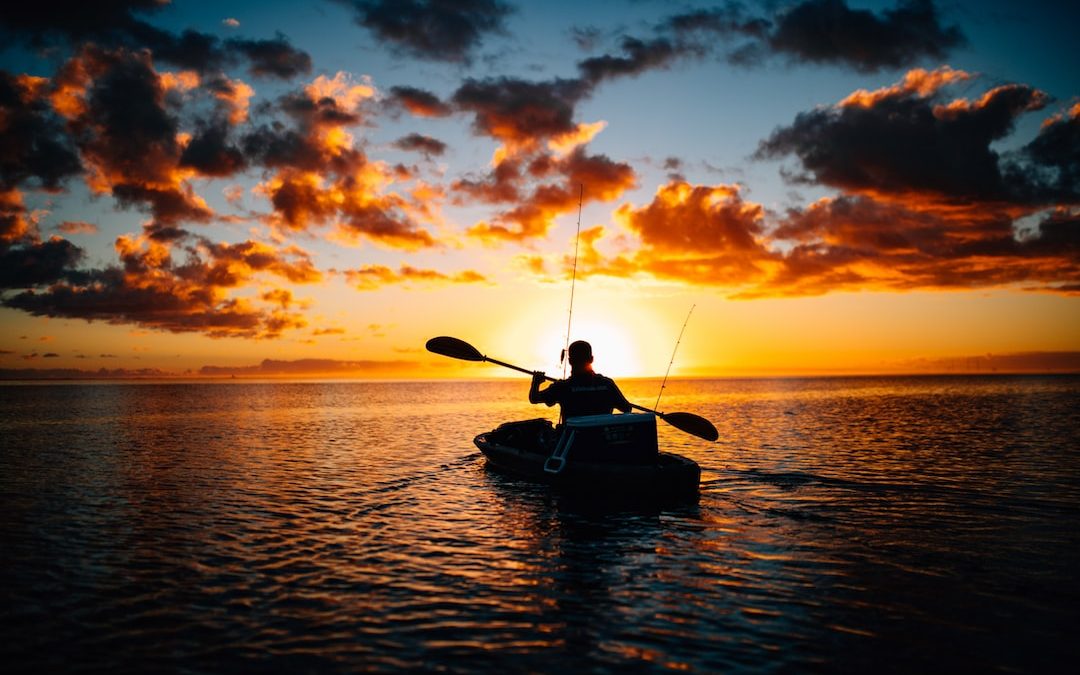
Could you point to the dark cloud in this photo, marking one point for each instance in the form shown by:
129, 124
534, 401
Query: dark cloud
34, 146
585, 37
682, 36
119, 112
154, 290
81, 374
302, 143
909, 140
190, 50
168, 204
540, 164
320, 176
165, 234
134, 141
278, 146
815, 31
1017, 362
1055, 154
726, 20
533, 214
638, 56
927, 200
426, 145
386, 222
273, 367
110, 300
520, 111
822, 31
33, 263
211, 153
269, 58
26, 260
110, 21
418, 102
313, 110
121, 23
439, 30
503, 184
828, 31
272, 58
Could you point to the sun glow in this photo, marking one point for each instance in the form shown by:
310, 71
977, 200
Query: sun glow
614, 352
630, 337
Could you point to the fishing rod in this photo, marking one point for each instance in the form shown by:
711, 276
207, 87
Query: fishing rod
668, 371
573, 282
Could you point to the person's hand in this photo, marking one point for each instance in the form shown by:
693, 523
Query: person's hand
538, 377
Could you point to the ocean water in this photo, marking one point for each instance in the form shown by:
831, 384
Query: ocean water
844, 525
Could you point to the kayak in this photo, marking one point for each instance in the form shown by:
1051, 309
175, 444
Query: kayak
598, 455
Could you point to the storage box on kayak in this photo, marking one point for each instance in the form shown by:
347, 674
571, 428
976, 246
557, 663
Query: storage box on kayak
613, 438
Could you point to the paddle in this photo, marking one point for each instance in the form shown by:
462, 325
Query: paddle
692, 424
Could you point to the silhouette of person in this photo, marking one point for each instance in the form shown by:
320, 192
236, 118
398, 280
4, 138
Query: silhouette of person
585, 392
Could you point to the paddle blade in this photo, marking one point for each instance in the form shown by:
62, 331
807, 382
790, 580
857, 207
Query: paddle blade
454, 348
692, 424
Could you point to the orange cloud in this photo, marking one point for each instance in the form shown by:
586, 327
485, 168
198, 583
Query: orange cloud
917, 82
26, 260
182, 81
1007, 92
130, 143
604, 180
322, 177
236, 96
708, 235
563, 144
694, 218
77, 227
342, 89
153, 290
372, 277
13, 223
418, 102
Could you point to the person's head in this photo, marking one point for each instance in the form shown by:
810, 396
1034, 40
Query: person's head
579, 354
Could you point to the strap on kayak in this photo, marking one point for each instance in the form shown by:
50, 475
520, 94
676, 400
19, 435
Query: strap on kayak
557, 462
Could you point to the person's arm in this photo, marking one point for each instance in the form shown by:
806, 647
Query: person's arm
620, 402
535, 395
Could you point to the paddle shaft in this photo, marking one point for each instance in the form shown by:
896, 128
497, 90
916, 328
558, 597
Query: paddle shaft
511, 366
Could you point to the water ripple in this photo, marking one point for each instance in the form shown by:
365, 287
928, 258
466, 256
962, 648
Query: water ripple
342, 527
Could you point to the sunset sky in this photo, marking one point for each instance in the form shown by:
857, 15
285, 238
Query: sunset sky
283, 188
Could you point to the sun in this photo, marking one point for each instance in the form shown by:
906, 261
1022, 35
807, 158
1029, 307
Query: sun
628, 339
614, 351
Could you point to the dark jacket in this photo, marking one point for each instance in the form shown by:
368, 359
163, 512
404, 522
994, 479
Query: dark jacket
584, 393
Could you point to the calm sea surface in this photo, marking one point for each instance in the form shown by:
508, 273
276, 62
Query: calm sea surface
852, 525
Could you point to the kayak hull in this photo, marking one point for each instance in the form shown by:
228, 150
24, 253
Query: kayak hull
669, 477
